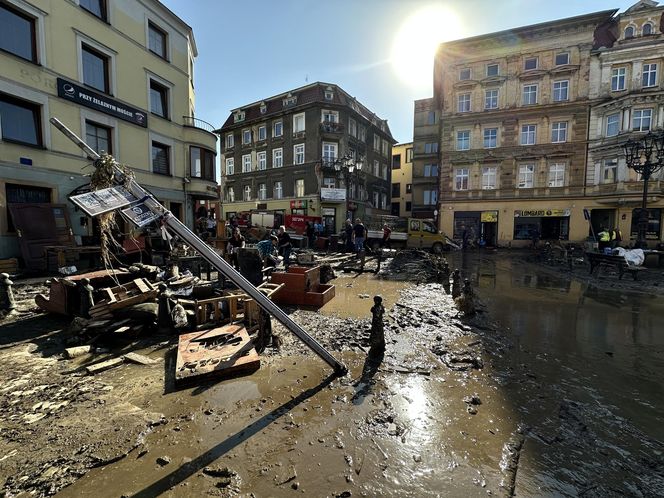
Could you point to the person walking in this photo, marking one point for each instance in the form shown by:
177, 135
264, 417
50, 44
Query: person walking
235, 243
348, 232
465, 237
359, 235
211, 225
285, 245
387, 232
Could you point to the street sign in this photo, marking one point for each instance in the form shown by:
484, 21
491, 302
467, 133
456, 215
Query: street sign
140, 214
104, 200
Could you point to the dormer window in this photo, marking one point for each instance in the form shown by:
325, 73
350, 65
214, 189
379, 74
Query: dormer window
263, 108
562, 59
464, 74
290, 100
329, 94
239, 116
629, 32
647, 29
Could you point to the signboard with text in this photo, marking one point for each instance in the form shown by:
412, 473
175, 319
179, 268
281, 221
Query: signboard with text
333, 194
140, 214
83, 96
104, 200
540, 213
298, 204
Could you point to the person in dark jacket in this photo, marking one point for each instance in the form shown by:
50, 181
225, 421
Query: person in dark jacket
311, 234
285, 245
359, 235
348, 233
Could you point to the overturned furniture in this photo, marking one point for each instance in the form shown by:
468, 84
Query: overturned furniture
137, 291
225, 350
302, 287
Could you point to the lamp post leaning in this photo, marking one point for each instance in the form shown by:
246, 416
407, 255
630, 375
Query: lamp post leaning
646, 157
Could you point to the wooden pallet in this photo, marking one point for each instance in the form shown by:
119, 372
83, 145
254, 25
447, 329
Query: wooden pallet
222, 351
137, 291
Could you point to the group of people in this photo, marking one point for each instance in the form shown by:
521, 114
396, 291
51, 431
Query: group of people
610, 238
269, 249
354, 235
206, 224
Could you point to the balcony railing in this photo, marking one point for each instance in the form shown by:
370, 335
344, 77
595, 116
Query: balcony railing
197, 123
330, 127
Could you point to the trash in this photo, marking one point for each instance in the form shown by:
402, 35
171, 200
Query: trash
67, 270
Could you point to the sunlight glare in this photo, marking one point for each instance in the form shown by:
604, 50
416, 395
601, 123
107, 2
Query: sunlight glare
415, 44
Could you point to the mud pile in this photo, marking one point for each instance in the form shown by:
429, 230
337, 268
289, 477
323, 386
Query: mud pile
415, 265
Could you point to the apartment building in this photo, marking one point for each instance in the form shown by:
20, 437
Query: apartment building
402, 180
627, 85
514, 109
310, 154
120, 75
426, 159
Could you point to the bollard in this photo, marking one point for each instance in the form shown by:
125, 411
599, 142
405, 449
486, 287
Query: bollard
164, 311
7, 301
456, 284
467, 289
446, 272
87, 300
377, 337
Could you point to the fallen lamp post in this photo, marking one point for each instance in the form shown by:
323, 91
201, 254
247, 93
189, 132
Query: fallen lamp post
646, 157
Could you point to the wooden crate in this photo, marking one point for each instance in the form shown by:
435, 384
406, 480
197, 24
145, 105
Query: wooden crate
9, 266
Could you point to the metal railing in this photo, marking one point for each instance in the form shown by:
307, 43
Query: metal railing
330, 127
197, 123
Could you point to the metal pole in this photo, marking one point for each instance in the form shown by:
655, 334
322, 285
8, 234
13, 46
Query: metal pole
214, 259
643, 216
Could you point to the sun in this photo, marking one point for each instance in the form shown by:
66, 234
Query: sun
415, 44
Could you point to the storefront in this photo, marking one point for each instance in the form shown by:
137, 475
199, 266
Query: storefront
654, 230
549, 224
333, 202
483, 226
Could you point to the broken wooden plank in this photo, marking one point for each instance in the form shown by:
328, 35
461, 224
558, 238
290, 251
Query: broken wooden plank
139, 359
104, 365
77, 351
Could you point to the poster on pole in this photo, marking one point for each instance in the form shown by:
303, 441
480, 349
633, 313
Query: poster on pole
102, 201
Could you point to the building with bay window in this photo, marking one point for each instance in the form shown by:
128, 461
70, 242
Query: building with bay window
310, 154
118, 74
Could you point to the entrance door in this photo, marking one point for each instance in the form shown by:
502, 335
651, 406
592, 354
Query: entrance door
396, 207
489, 233
329, 221
600, 218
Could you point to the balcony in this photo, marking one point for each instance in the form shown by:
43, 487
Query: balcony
331, 127
193, 122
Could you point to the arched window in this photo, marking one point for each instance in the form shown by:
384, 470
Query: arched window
647, 29
629, 32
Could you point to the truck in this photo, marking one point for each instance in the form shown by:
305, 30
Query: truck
411, 233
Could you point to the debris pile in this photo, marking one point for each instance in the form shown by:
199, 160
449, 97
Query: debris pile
416, 265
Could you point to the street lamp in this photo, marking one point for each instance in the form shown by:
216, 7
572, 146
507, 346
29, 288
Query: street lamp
646, 157
347, 165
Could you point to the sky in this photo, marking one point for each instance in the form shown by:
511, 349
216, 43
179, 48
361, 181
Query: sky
379, 51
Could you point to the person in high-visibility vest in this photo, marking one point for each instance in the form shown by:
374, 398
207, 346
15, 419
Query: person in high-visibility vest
604, 238
616, 237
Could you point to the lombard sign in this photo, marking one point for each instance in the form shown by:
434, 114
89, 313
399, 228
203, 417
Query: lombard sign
81, 95
333, 194
541, 213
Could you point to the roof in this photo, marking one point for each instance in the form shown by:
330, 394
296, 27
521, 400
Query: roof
309, 94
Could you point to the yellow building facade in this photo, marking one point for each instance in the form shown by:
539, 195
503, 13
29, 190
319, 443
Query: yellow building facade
119, 75
402, 180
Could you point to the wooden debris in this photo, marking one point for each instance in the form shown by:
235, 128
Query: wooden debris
104, 365
138, 291
77, 351
139, 359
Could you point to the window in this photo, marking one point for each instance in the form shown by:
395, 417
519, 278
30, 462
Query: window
98, 137
363, 133
491, 99
95, 69
431, 148
20, 121
262, 191
262, 133
246, 136
609, 170
629, 32
489, 177
559, 132
277, 158
376, 199
396, 161
246, 163
431, 117
490, 138
492, 70
530, 63
557, 175
329, 182
262, 160
464, 102
526, 175
290, 100
329, 151
649, 75
528, 133
230, 141
239, 116
95, 7
376, 143
298, 123
431, 170
202, 163
613, 124
160, 159
647, 29
156, 40
409, 155
463, 140
330, 116
277, 129
278, 190
461, 179
376, 168
263, 108
430, 197
247, 193
230, 194
158, 99
409, 206
17, 33
352, 127
464, 74
409, 188
562, 59
230, 166
618, 79
384, 147
641, 120
560, 90
298, 154
529, 94
329, 95
396, 190
299, 187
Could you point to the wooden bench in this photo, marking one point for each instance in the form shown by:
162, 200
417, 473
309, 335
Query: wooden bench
598, 260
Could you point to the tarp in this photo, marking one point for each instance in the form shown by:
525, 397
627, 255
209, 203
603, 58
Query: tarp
634, 257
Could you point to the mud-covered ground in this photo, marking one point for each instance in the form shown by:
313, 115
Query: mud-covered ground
459, 406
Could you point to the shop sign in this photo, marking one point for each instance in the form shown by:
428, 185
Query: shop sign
333, 194
329, 211
489, 217
81, 95
298, 204
104, 200
541, 213
261, 205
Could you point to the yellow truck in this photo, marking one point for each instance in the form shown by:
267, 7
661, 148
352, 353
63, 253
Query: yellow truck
411, 233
